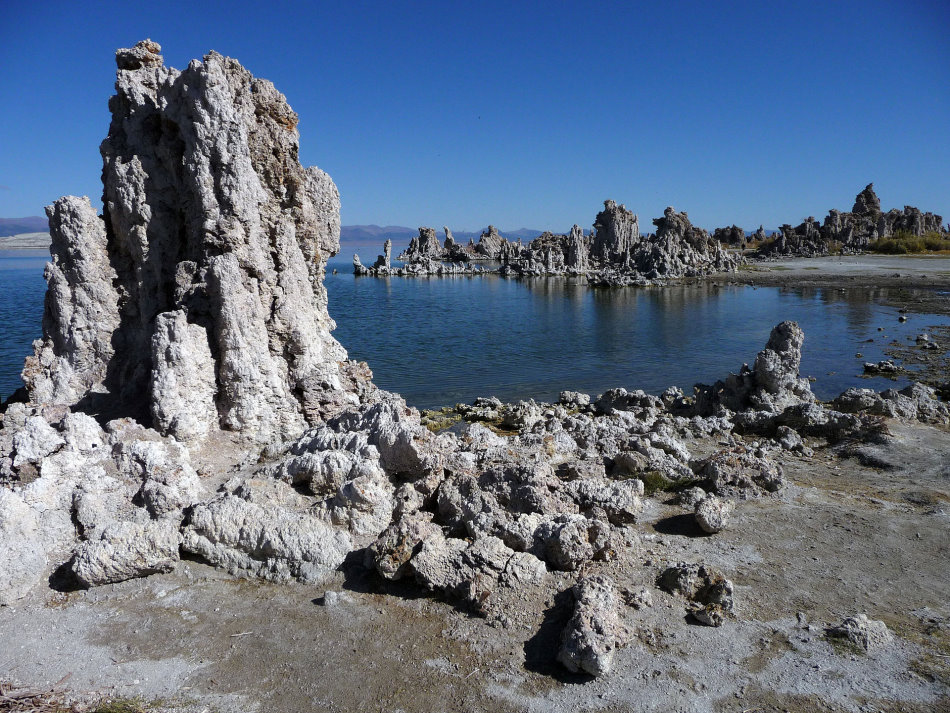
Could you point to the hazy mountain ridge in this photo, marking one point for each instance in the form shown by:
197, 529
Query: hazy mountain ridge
350, 235
18, 226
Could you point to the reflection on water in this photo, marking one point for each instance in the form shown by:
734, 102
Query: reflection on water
443, 340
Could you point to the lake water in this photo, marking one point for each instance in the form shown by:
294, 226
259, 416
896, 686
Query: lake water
439, 341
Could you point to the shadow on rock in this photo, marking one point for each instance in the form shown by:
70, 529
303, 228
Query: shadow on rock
684, 525
63, 579
357, 577
540, 651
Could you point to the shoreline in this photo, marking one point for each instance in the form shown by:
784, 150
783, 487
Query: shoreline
868, 510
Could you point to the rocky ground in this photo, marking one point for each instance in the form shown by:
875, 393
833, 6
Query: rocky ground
843, 537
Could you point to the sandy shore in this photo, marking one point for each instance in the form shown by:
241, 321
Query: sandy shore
25, 241
906, 271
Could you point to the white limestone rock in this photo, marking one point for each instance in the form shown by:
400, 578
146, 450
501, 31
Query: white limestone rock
596, 630
36, 440
183, 378
709, 594
869, 634
619, 499
270, 541
83, 433
169, 483
569, 541
23, 557
364, 505
207, 299
81, 308
713, 514
126, 550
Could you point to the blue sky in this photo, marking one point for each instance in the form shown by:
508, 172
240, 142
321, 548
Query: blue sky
525, 114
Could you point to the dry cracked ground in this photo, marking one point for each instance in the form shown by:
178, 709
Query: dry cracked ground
859, 530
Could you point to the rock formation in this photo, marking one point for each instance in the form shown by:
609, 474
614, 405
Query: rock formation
595, 631
680, 248
866, 203
81, 312
489, 244
614, 254
733, 235
423, 247
616, 232
850, 232
204, 273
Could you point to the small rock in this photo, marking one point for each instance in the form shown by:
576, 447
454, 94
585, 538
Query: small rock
713, 514
709, 593
595, 631
639, 599
332, 599
691, 497
886, 366
869, 634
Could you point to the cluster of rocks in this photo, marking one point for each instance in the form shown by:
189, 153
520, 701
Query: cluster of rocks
613, 254
850, 232
736, 237
426, 256
187, 397
677, 249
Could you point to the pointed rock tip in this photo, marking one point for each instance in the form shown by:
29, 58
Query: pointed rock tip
144, 54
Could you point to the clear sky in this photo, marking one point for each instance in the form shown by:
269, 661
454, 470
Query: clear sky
525, 114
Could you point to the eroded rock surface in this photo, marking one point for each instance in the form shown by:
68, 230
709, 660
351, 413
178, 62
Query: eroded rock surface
23, 558
595, 630
868, 634
197, 299
126, 550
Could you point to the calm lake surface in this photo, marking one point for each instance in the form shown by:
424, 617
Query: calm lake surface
440, 341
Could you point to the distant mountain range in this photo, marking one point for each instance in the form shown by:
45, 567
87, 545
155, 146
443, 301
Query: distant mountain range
350, 235
18, 226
